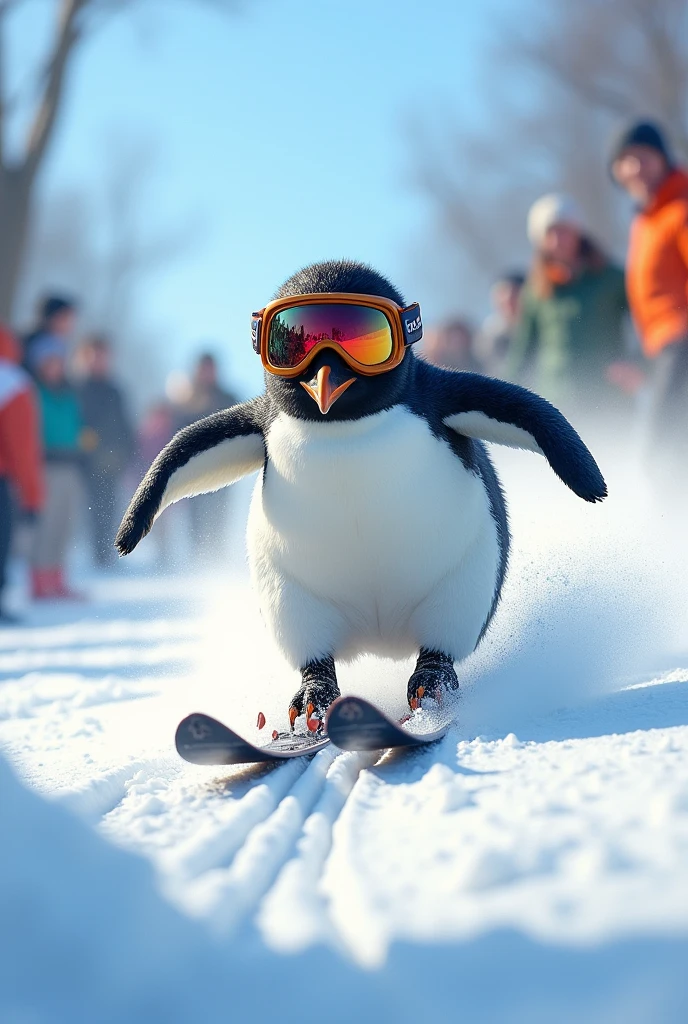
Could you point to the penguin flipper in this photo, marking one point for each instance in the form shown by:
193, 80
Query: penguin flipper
502, 413
210, 454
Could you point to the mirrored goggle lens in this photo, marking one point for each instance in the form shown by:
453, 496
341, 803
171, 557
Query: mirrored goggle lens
364, 333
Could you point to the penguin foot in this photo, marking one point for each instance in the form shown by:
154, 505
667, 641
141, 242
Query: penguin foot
319, 688
433, 676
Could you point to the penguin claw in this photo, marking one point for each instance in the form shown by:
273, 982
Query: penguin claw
435, 693
313, 700
434, 680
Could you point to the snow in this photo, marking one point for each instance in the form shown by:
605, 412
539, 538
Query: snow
532, 866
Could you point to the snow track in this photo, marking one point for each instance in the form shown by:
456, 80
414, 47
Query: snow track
535, 861
361, 850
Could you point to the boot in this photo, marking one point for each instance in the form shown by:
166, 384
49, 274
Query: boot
42, 584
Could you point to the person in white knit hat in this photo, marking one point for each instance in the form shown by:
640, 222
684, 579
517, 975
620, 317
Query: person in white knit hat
560, 213
571, 340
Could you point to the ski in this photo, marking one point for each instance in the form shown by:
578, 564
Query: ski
201, 739
355, 724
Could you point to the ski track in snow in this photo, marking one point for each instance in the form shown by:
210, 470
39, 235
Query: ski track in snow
572, 833
361, 849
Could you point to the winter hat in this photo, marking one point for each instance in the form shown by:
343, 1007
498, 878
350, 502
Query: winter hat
517, 278
641, 133
54, 304
555, 208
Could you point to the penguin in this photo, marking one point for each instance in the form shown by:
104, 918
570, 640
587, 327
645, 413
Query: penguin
378, 523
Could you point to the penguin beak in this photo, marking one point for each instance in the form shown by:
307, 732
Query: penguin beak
321, 390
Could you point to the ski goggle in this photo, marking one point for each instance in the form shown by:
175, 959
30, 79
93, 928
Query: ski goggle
369, 332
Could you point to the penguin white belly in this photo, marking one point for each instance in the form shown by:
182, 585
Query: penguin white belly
370, 535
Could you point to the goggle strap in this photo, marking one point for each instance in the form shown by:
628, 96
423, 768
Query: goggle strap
411, 324
255, 334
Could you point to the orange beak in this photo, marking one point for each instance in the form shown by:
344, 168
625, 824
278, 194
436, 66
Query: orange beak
322, 392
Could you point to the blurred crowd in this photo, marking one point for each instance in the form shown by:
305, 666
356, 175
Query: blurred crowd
70, 448
605, 343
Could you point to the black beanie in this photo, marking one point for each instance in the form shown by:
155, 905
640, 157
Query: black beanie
53, 304
641, 133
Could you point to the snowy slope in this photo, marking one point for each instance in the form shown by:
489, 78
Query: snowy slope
532, 866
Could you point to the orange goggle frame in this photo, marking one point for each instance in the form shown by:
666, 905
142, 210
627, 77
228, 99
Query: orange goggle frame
405, 325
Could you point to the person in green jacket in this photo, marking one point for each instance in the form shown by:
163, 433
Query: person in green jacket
62, 446
570, 344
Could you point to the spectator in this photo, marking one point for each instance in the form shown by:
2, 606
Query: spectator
56, 320
156, 428
494, 339
208, 512
642, 164
571, 334
21, 471
108, 443
206, 396
450, 345
62, 427
155, 431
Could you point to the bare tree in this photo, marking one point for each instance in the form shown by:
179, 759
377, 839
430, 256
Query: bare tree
556, 85
107, 267
75, 21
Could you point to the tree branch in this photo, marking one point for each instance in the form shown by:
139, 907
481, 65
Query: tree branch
3, 12
5, 6
459, 219
44, 121
665, 41
592, 93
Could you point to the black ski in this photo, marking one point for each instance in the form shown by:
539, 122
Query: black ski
201, 739
356, 724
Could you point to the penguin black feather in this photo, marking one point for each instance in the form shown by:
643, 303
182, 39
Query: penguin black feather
339, 276
240, 421
452, 393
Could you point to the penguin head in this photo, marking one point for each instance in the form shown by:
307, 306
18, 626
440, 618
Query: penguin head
329, 389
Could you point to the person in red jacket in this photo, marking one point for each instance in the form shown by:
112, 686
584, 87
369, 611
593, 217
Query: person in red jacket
657, 282
21, 467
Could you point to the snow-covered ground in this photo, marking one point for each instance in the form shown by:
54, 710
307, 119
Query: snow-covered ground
533, 866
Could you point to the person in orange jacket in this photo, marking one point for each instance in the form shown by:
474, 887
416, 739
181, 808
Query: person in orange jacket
657, 281
21, 461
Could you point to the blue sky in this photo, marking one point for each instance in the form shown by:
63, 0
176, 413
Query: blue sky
283, 132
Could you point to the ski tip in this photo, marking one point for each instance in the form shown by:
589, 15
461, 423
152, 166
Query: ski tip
203, 740
196, 727
354, 723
